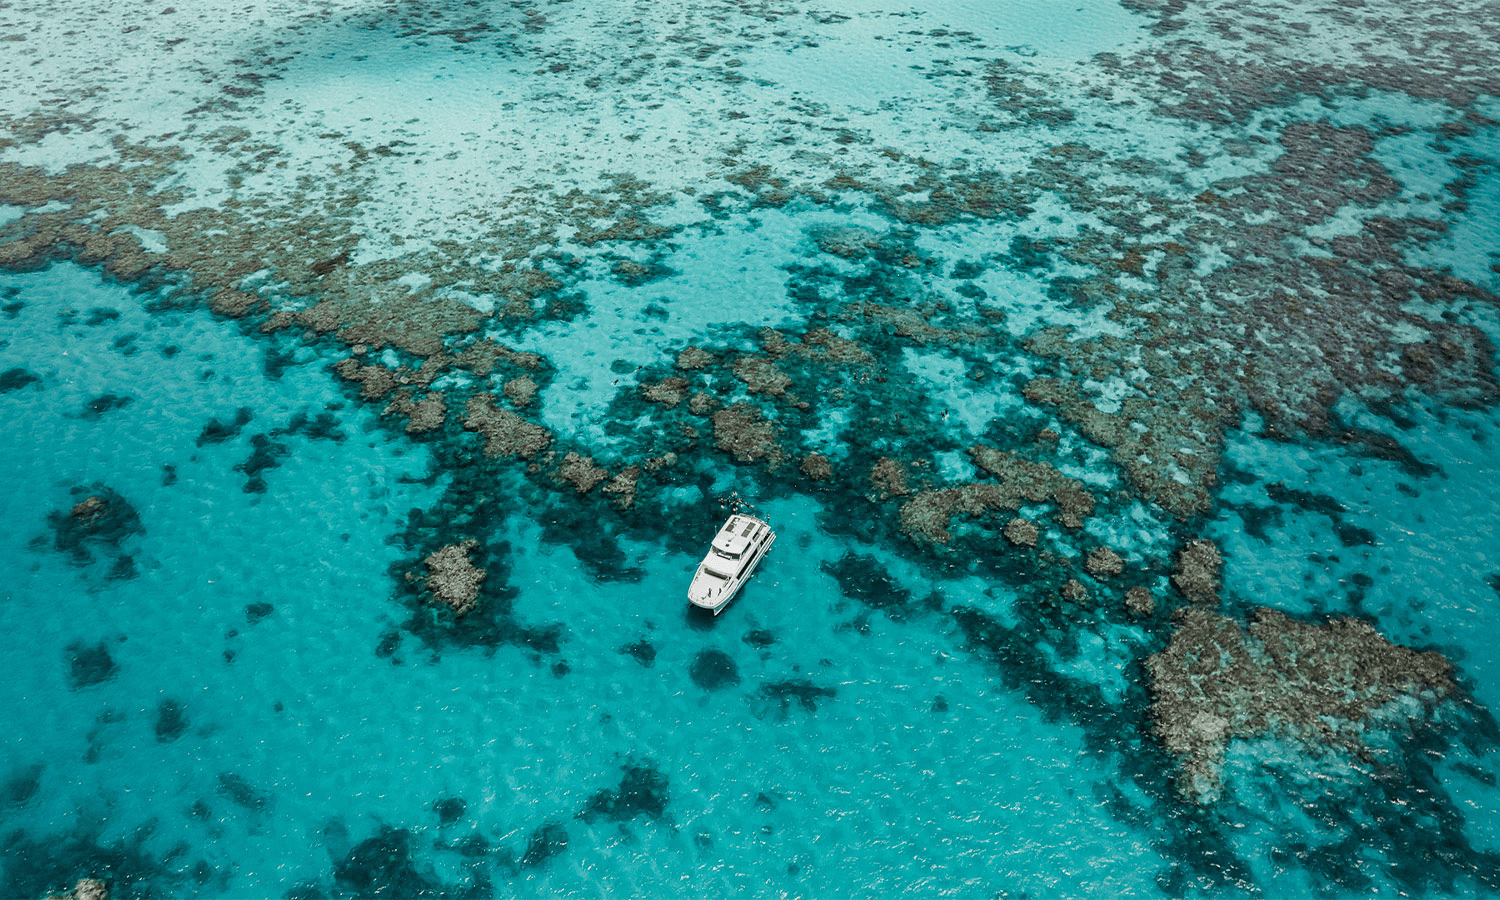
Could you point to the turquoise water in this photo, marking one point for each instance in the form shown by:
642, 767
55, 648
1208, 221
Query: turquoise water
226, 677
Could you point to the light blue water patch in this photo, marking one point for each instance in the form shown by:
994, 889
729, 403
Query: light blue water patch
966, 402
732, 278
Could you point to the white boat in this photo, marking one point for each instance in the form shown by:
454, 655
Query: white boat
736, 549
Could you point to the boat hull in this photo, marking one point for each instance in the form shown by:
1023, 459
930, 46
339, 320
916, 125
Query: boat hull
716, 601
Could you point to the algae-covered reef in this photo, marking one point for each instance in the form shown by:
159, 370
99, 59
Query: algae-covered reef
997, 344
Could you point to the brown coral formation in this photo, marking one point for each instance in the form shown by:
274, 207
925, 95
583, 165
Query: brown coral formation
505, 433
423, 415
745, 434
481, 357
761, 376
520, 391
692, 359
1321, 685
668, 392
1139, 602
816, 466
85, 889
1020, 532
888, 477
1036, 482
453, 579
580, 472
1104, 563
1019, 481
374, 381
927, 516
1197, 571
1074, 591
622, 487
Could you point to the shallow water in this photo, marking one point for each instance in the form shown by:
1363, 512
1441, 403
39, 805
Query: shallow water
227, 674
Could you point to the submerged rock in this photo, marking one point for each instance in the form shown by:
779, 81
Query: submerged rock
1322, 685
453, 579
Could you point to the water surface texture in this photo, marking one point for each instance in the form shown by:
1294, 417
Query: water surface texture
1119, 378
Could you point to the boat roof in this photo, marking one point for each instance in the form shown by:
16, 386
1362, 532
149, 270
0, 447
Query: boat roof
735, 536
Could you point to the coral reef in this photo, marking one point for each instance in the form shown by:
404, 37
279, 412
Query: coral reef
581, 472
745, 434
85, 889
453, 579
1104, 563
1324, 685
505, 433
643, 791
424, 415
1139, 601
816, 466
1197, 572
1021, 532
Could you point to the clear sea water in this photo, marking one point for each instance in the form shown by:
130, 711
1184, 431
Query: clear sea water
230, 699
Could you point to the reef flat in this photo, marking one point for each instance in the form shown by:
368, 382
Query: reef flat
1105, 369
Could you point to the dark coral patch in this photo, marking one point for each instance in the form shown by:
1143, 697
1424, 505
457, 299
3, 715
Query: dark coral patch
254, 612
863, 578
104, 403
545, 844
778, 696
714, 670
21, 786
217, 432
15, 379
642, 651
100, 519
759, 638
267, 454
242, 793
36, 865
171, 721
383, 866
449, 809
89, 664
643, 791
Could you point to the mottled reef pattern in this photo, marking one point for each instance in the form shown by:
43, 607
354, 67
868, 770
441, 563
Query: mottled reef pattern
1211, 299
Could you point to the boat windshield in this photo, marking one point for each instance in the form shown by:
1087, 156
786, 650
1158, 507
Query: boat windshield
723, 554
